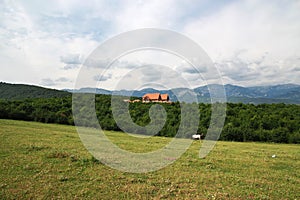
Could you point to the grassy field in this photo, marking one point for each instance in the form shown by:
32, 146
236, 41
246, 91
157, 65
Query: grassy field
45, 161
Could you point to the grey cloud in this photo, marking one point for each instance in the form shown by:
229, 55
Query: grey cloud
189, 69
62, 79
193, 70
96, 63
244, 77
259, 61
72, 59
71, 66
100, 63
51, 82
296, 69
194, 77
161, 76
127, 65
238, 70
151, 74
48, 82
102, 77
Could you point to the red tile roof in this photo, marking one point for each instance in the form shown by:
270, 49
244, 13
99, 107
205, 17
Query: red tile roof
164, 97
153, 96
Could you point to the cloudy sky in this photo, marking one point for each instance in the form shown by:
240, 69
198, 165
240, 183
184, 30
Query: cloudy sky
250, 42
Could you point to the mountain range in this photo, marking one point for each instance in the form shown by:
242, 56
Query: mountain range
285, 93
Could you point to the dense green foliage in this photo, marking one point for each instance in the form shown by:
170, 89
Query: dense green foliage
47, 110
244, 122
21, 91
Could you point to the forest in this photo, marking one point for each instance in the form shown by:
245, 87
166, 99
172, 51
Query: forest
244, 122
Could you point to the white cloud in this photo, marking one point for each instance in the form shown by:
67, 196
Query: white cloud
253, 42
31, 52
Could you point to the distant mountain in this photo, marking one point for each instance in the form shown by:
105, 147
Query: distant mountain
290, 91
21, 91
89, 90
287, 93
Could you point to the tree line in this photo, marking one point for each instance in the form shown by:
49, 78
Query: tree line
278, 123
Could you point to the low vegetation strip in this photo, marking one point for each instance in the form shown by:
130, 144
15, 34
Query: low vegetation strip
48, 161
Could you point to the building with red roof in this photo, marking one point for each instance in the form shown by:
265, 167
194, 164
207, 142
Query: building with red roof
156, 97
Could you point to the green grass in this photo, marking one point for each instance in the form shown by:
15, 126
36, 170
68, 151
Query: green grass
45, 161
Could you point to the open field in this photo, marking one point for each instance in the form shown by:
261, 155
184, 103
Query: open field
45, 161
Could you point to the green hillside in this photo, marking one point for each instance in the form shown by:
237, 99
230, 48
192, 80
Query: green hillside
20, 91
47, 161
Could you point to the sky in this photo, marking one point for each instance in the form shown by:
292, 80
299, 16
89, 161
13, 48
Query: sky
250, 42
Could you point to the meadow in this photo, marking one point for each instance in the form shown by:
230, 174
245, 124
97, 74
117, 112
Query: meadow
48, 161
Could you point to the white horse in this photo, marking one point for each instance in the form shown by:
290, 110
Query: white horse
196, 137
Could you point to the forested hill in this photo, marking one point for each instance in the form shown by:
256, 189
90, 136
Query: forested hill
244, 122
20, 91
